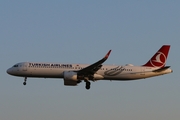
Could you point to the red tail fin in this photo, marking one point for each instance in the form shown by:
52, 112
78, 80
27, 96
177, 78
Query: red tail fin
159, 59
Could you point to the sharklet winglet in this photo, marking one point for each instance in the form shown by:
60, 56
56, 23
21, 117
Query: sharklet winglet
107, 55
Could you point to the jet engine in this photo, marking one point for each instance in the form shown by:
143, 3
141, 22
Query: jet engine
70, 78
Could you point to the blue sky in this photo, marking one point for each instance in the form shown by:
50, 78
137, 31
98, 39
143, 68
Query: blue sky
82, 32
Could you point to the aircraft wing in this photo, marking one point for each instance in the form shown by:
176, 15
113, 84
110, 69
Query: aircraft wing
93, 68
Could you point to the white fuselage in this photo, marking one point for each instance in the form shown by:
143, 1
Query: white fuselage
109, 72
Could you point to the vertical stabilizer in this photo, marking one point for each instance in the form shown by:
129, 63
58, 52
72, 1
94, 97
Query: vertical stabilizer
159, 59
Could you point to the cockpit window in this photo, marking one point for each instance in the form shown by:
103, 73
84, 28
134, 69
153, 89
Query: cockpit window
15, 66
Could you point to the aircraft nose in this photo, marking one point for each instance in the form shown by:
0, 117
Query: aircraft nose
9, 71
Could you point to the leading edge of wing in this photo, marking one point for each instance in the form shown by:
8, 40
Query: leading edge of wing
91, 69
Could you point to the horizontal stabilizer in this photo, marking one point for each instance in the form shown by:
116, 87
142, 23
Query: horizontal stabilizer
162, 69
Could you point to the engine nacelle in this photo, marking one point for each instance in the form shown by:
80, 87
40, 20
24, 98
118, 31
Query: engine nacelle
70, 78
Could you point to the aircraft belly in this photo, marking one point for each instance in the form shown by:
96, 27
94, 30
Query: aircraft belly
121, 77
129, 76
134, 76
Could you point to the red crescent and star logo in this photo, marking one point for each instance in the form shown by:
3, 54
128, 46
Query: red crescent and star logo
158, 60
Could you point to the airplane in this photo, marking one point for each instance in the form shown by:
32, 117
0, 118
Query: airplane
73, 74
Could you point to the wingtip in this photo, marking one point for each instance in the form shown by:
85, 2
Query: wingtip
107, 55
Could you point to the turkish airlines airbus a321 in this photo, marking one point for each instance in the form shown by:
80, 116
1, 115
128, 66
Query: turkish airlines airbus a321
75, 73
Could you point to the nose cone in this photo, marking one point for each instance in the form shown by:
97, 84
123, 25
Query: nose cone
9, 71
